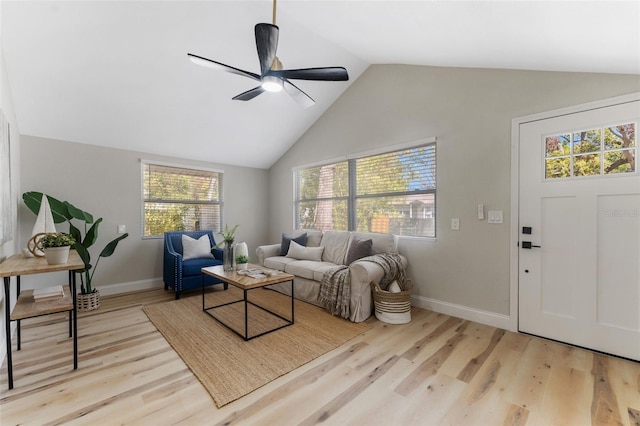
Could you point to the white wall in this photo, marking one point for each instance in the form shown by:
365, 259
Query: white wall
470, 112
10, 247
106, 182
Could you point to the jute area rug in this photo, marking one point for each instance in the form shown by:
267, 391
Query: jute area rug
226, 365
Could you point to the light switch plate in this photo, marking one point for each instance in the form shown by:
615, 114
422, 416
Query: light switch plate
495, 216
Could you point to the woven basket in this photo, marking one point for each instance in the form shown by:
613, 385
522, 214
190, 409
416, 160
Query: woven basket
88, 302
393, 308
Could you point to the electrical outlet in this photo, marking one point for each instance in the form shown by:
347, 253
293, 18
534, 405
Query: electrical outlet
122, 229
455, 224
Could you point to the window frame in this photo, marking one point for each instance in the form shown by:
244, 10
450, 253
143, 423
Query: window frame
143, 200
352, 195
601, 153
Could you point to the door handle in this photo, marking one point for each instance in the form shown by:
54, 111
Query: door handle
528, 245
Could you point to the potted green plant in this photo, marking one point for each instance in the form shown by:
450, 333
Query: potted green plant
228, 236
89, 297
242, 262
56, 247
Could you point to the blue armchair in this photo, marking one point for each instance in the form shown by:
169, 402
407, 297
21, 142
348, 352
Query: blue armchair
181, 275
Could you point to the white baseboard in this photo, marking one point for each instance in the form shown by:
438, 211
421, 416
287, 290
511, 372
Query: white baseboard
464, 312
150, 284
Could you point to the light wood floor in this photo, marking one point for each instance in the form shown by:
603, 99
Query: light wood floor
434, 370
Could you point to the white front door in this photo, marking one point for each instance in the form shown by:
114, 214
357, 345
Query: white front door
579, 229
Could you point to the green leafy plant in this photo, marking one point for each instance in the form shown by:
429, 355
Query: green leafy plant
59, 239
63, 211
242, 259
228, 236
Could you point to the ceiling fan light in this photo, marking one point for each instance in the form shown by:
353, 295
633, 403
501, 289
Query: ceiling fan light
271, 83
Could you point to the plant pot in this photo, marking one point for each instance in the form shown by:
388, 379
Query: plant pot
56, 255
88, 302
241, 266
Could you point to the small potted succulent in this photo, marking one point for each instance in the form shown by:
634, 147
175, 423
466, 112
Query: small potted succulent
56, 247
242, 262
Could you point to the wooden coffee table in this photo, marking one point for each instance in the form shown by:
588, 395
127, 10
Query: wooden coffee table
246, 283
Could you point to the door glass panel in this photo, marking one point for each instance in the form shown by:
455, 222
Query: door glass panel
619, 161
558, 145
622, 136
586, 165
587, 141
558, 168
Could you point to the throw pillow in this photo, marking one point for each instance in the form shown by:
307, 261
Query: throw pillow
358, 249
296, 251
286, 240
196, 249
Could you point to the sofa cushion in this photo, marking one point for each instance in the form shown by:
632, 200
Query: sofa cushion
358, 249
313, 238
278, 262
382, 243
193, 249
335, 246
318, 274
194, 266
296, 251
286, 240
307, 268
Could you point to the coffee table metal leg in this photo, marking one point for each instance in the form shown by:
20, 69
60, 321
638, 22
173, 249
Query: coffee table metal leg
246, 317
292, 299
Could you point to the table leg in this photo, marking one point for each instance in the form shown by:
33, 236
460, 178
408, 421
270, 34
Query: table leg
202, 281
292, 299
72, 276
7, 328
246, 317
70, 313
18, 322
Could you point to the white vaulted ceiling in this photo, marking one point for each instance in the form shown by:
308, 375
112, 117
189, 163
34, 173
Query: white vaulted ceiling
116, 73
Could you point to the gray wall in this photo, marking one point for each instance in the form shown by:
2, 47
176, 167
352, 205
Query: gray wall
107, 183
470, 112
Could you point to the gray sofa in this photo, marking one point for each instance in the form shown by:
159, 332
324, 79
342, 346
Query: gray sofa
336, 245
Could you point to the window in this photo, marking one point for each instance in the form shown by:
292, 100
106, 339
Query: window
591, 152
388, 192
180, 199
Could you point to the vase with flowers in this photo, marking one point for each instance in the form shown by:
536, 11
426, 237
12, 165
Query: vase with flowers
228, 237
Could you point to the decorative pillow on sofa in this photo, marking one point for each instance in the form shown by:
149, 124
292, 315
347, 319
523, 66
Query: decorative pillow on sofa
358, 249
286, 240
195, 249
296, 251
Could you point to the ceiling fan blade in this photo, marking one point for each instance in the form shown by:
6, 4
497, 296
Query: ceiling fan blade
298, 95
267, 44
322, 74
249, 94
221, 67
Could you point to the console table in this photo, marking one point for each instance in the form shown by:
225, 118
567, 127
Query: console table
27, 307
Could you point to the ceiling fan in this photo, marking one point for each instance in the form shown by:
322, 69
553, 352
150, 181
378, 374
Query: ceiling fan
272, 77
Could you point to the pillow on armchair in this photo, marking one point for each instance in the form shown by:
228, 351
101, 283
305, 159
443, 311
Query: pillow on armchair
196, 249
